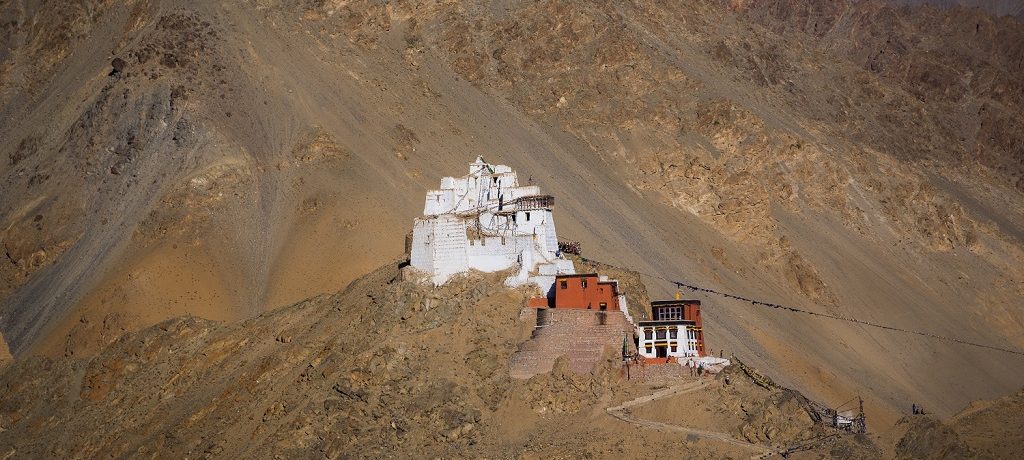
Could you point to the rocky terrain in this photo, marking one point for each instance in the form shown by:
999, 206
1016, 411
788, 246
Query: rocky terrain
985, 429
385, 367
994, 7
389, 366
165, 159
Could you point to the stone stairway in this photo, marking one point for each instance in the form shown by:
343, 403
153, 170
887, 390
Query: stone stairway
579, 335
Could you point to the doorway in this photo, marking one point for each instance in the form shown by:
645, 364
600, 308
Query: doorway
662, 351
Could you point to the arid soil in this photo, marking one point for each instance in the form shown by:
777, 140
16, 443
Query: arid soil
986, 429
165, 159
391, 367
995, 7
385, 367
5, 353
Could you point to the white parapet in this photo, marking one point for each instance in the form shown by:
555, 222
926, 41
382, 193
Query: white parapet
486, 221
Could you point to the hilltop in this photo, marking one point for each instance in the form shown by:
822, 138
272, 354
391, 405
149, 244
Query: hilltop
384, 367
389, 366
166, 158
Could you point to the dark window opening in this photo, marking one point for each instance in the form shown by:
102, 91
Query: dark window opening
583, 283
527, 217
648, 335
604, 306
563, 285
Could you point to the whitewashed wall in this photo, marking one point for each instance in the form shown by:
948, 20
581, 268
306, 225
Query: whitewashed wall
442, 248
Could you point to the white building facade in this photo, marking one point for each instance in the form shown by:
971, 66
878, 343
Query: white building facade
486, 221
663, 339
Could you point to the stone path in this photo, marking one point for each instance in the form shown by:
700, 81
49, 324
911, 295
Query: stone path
580, 335
622, 412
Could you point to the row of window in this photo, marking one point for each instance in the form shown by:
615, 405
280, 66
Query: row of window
650, 334
669, 313
649, 349
565, 284
527, 217
672, 333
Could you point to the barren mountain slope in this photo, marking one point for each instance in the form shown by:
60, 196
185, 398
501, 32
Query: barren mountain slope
994, 7
384, 368
985, 429
170, 157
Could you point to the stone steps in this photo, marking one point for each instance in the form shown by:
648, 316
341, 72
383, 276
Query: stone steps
575, 334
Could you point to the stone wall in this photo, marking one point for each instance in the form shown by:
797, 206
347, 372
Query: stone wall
579, 335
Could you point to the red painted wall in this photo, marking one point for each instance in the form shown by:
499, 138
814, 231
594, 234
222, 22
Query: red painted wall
692, 313
585, 291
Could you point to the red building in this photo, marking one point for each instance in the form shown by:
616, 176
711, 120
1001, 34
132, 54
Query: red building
584, 291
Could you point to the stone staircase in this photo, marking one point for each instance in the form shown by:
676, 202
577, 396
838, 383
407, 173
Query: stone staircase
579, 335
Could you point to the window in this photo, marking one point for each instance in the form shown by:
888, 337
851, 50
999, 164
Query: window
668, 313
583, 283
563, 285
648, 335
673, 348
527, 217
604, 306
648, 348
495, 180
661, 334
673, 333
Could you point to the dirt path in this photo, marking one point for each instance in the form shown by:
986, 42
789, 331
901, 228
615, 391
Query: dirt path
622, 412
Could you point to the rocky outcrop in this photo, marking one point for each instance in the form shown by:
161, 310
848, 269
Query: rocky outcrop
928, 438
5, 353
385, 367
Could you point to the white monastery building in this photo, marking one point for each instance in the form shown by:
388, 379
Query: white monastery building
486, 221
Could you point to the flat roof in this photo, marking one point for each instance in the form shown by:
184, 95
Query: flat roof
674, 302
576, 275
589, 275
666, 322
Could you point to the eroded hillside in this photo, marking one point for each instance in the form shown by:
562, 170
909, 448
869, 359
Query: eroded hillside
168, 158
385, 367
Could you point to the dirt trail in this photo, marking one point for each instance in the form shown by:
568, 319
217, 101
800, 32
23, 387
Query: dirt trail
622, 412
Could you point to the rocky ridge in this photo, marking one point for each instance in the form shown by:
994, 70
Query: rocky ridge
168, 158
384, 367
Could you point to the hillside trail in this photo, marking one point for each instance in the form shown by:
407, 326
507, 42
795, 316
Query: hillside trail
623, 413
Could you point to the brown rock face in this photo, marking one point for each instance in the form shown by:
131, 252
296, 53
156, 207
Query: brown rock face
5, 353
929, 438
385, 367
168, 158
